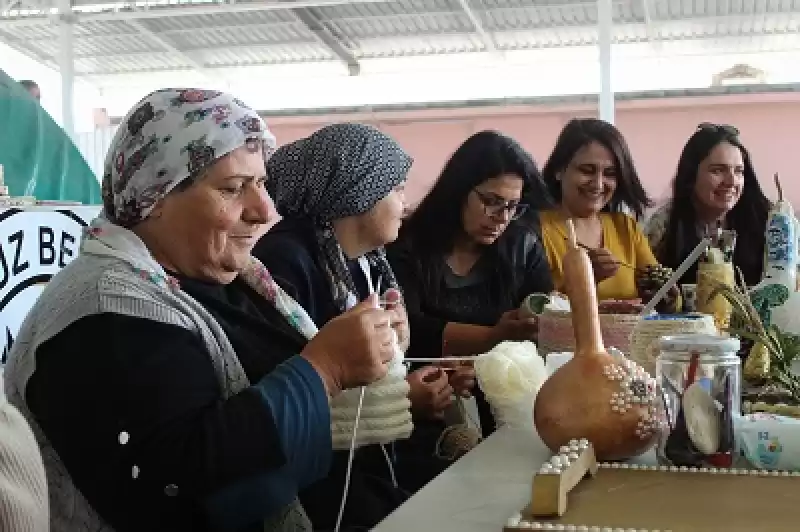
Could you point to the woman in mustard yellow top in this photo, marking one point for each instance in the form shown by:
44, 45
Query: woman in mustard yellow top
591, 176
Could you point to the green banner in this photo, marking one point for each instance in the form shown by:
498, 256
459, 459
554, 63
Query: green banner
38, 157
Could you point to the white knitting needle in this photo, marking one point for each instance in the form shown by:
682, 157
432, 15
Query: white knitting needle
442, 359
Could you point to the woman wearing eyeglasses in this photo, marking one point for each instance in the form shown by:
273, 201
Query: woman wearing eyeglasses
464, 260
715, 186
591, 175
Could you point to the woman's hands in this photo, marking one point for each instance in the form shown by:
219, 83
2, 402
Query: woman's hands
393, 303
604, 264
512, 326
462, 377
430, 392
354, 348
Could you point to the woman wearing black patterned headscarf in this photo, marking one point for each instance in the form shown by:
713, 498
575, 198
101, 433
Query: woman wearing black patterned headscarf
340, 192
337, 174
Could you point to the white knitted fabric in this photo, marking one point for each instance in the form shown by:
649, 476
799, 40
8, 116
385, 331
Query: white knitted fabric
23, 484
385, 412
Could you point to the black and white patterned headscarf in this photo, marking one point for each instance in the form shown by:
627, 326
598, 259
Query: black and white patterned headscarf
341, 170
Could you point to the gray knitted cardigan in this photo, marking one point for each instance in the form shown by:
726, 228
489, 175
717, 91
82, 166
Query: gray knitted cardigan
115, 273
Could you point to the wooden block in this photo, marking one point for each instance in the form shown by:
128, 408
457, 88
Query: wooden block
553, 482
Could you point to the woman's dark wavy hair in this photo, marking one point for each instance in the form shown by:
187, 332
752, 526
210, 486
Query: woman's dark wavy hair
580, 132
748, 217
431, 230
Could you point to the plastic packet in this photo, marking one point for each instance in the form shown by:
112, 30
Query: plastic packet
769, 441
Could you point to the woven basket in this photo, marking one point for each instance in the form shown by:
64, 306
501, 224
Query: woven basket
646, 335
556, 334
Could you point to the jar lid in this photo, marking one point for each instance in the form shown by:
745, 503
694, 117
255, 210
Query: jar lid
701, 344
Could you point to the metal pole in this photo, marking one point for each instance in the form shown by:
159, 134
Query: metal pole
605, 25
66, 62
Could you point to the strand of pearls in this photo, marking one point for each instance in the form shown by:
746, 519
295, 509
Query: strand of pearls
566, 455
518, 523
707, 470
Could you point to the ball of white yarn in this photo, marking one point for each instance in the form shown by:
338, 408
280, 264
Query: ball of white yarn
510, 372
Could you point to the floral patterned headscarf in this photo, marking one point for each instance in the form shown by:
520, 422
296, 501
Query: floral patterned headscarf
168, 137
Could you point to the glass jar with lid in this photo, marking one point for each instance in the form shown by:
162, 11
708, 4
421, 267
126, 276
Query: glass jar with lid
699, 377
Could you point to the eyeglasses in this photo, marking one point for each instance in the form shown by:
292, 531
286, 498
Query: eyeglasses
721, 128
496, 206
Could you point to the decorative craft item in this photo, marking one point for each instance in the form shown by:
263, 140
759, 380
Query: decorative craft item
647, 334
648, 282
609, 400
781, 348
643, 498
556, 333
700, 379
764, 299
559, 475
775, 298
689, 294
716, 267
781, 243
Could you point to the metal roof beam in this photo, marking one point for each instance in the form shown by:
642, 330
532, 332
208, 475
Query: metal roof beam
651, 24
183, 10
168, 46
327, 38
488, 40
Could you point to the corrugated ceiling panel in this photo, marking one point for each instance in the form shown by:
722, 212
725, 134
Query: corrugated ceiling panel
387, 9
102, 46
404, 27
283, 31
33, 32
251, 55
406, 24
420, 45
90, 28
220, 19
231, 36
132, 63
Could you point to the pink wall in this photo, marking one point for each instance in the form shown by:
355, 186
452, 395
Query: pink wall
655, 129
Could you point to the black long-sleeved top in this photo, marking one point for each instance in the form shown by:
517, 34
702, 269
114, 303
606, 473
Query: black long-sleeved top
469, 299
288, 252
193, 461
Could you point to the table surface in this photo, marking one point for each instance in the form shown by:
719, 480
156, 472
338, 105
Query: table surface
481, 490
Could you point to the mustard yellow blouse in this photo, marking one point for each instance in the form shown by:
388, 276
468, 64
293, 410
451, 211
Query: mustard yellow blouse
621, 236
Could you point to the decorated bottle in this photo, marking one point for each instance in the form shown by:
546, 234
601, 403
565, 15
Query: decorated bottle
598, 394
781, 244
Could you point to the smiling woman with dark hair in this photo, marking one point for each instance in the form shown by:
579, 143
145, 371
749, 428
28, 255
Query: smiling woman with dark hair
715, 185
592, 176
464, 260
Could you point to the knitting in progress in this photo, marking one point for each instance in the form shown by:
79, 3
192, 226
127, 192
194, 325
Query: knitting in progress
385, 412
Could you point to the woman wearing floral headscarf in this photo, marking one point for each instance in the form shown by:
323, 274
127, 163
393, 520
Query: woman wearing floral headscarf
170, 381
340, 192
